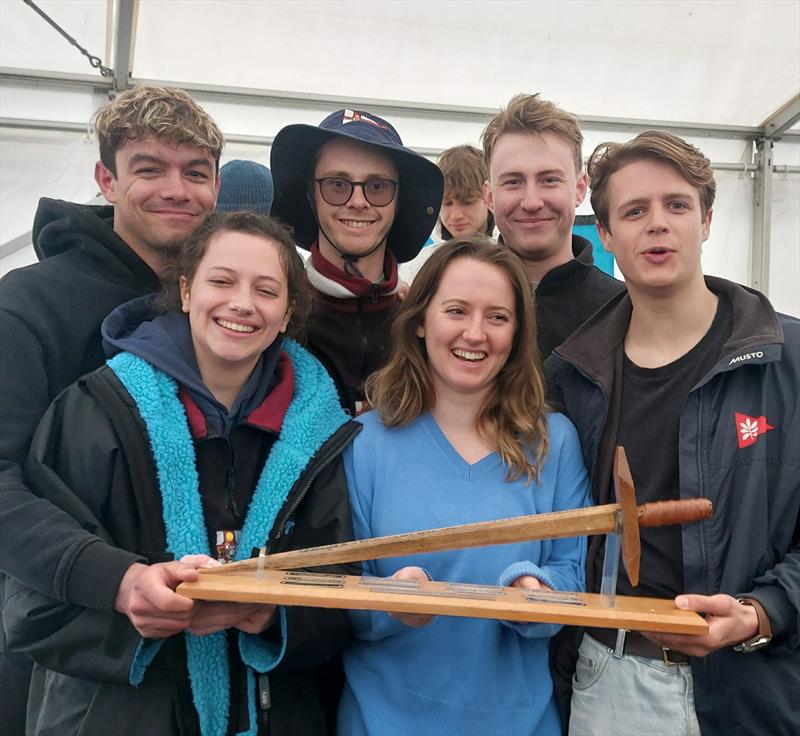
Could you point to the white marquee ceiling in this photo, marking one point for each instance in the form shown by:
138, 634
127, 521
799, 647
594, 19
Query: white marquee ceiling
723, 62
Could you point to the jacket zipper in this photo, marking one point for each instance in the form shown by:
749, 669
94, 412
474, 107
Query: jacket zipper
331, 455
606, 402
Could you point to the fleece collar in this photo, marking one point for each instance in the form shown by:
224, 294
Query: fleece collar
165, 341
552, 282
348, 293
312, 417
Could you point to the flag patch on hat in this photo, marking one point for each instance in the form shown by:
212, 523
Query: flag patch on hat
354, 116
749, 429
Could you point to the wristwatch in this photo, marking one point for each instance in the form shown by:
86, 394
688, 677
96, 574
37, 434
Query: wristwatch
763, 635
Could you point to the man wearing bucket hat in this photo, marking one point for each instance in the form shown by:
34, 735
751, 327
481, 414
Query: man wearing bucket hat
361, 202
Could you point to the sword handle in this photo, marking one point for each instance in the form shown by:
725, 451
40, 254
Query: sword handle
665, 513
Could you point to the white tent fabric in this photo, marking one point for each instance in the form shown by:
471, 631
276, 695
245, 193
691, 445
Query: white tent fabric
715, 71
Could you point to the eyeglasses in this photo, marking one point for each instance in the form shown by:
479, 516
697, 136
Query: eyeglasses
337, 191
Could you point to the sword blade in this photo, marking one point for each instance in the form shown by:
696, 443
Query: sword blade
573, 523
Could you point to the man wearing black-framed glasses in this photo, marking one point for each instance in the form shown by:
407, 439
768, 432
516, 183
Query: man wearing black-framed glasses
361, 202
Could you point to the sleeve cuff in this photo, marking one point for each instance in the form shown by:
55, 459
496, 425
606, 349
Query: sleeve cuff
95, 575
782, 614
518, 569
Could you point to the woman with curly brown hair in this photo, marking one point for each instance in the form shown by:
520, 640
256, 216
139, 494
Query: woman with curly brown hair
460, 433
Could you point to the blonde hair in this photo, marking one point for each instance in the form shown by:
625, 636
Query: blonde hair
511, 419
166, 113
529, 114
653, 145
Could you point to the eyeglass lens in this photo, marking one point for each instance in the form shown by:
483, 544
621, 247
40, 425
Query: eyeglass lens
336, 191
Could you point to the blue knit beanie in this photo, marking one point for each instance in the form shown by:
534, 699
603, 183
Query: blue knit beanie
245, 185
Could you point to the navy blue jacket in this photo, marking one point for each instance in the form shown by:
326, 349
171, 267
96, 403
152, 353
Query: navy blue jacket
751, 545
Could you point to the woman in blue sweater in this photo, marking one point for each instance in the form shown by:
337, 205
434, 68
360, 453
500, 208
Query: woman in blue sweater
460, 433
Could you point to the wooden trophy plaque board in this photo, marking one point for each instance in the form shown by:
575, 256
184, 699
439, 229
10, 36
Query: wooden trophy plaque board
443, 599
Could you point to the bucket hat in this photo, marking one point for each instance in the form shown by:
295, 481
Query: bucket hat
420, 189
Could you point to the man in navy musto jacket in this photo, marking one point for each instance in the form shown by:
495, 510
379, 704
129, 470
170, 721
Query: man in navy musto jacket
698, 379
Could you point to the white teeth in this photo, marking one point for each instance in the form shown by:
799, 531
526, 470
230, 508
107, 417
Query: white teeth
235, 326
357, 223
468, 355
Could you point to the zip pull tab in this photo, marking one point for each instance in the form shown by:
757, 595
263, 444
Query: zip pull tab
374, 293
264, 698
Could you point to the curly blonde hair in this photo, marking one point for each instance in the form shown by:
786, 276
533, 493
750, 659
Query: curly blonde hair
166, 113
512, 419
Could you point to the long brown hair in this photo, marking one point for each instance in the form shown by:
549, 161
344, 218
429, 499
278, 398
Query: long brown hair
511, 419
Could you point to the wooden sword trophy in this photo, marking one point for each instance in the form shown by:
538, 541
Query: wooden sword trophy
264, 578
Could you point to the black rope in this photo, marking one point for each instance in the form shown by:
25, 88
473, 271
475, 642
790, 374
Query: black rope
95, 61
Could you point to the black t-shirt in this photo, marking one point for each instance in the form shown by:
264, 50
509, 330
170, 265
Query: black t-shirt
650, 413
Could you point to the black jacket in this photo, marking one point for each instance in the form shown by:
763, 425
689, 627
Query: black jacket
751, 545
569, 294
83, 656
50, 331
50, 315
351, 343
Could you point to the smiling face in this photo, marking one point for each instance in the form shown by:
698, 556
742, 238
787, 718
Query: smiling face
656, 227
356, 227
237, 304
160, 194
468, 329
533, 190
463, 215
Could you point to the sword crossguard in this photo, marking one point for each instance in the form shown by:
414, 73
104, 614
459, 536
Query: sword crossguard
658, 513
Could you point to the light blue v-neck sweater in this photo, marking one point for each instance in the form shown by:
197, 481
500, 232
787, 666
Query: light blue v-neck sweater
459, 675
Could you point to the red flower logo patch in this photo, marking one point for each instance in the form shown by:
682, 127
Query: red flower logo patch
749, 429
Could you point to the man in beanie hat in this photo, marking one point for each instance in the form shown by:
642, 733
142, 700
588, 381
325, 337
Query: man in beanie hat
245, 185
360, 202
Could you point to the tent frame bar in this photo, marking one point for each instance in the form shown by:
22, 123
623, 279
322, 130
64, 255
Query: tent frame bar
762, 216
779, 122
774, 127
265, 140
417, 109
124, 32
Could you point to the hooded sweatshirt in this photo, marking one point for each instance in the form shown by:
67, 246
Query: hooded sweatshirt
165, 341
50, 315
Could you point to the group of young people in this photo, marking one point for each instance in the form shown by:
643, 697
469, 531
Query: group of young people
183, 389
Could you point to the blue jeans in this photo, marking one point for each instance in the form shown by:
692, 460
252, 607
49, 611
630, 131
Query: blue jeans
630, 696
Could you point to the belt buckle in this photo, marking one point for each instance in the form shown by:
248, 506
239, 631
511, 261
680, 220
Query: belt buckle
667, 661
